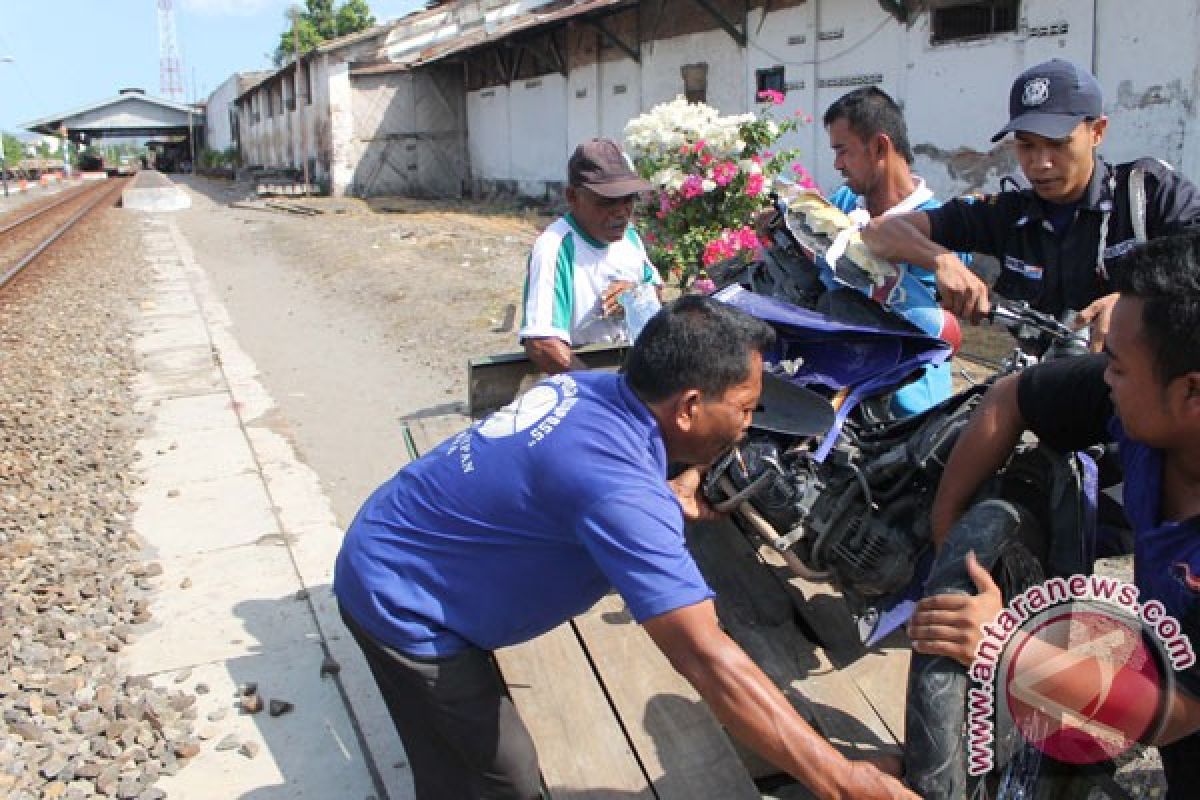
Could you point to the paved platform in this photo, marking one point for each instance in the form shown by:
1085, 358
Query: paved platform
152, 191
246, 540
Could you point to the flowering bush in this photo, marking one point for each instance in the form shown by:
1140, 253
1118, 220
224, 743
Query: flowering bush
712, 174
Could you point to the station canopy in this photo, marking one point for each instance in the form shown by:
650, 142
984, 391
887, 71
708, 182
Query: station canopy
132, 113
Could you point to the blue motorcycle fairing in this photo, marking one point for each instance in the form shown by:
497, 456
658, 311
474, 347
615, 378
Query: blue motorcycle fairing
868, 358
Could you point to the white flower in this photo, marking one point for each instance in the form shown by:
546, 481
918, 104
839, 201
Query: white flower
708, 185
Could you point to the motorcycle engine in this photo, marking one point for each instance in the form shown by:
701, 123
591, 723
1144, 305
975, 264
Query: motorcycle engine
824, 513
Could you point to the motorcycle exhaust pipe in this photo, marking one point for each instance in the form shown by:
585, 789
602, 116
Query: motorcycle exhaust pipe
768, 532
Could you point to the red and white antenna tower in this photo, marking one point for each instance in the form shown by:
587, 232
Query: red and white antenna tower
170, 74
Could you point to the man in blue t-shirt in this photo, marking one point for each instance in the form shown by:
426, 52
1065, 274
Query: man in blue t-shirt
529, 517
870, 145
1144, 391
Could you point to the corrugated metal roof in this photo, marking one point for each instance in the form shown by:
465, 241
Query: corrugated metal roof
50, 124
330, 46
545, 16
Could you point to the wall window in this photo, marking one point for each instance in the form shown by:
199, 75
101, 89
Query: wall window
770, 80
972, 20
695, 82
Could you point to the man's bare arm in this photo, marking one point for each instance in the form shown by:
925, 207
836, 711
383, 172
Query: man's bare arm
982, 448
756, 712
904, 238
552, 355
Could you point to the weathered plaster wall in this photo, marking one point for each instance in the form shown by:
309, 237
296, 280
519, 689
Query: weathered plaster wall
955, 95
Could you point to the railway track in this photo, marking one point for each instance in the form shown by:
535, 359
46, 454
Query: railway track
26, 235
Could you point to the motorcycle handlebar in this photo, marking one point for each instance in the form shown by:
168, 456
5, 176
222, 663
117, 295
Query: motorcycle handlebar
1012, 312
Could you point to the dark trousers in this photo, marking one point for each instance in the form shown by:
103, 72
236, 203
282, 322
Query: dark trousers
461, 733
1181, 764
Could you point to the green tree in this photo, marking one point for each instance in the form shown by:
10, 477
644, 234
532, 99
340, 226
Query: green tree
319, 22
353, 16
14, 151
323, 18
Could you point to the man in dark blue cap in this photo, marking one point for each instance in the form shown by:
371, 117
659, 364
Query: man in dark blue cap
1055, 239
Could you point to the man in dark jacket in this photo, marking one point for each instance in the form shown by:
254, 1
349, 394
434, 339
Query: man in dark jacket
1054, 240
1144, 391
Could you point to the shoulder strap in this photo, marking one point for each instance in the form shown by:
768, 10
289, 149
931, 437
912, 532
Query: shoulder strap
1137, 202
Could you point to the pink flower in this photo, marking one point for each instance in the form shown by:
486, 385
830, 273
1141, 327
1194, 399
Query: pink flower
768, 154
771, 96
704, 286
804, 178
706, 159
693, 186
718, 249
724, 173
700, 145
664, 204
747, 238
803, 116
754, 185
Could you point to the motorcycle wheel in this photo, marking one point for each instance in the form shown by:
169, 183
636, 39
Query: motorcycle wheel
935, 724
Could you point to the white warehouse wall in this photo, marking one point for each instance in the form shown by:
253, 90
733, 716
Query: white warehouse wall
217, 129
955, 95
537, 119
488, 143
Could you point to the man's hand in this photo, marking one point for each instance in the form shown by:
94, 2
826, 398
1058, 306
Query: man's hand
753, 709
609, 302
960, 290
865, 779
686, 486
1097, 315
552, 355
951, 624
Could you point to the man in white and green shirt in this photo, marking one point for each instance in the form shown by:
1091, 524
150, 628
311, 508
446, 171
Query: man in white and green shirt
585, 260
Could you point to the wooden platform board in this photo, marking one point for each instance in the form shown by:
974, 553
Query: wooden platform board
493, 381
611, 718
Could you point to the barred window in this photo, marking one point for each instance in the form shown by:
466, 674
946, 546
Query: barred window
954, 20
771, 79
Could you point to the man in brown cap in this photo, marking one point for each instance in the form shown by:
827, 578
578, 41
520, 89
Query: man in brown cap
585, 260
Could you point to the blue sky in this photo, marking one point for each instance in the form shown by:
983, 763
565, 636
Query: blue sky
69, 53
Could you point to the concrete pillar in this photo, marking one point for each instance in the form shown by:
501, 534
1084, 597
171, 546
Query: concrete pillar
341, 130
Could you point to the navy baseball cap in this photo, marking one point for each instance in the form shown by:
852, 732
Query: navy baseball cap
1051, 99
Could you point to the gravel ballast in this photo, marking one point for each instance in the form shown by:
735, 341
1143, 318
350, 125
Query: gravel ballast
73, 588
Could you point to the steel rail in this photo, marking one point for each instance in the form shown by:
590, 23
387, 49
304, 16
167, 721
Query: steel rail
101, 196
67, 197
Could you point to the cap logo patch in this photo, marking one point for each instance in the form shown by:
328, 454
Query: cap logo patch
1036, 92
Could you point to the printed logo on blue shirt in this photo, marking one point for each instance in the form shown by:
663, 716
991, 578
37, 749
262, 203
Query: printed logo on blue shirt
539, 411
1030, 271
